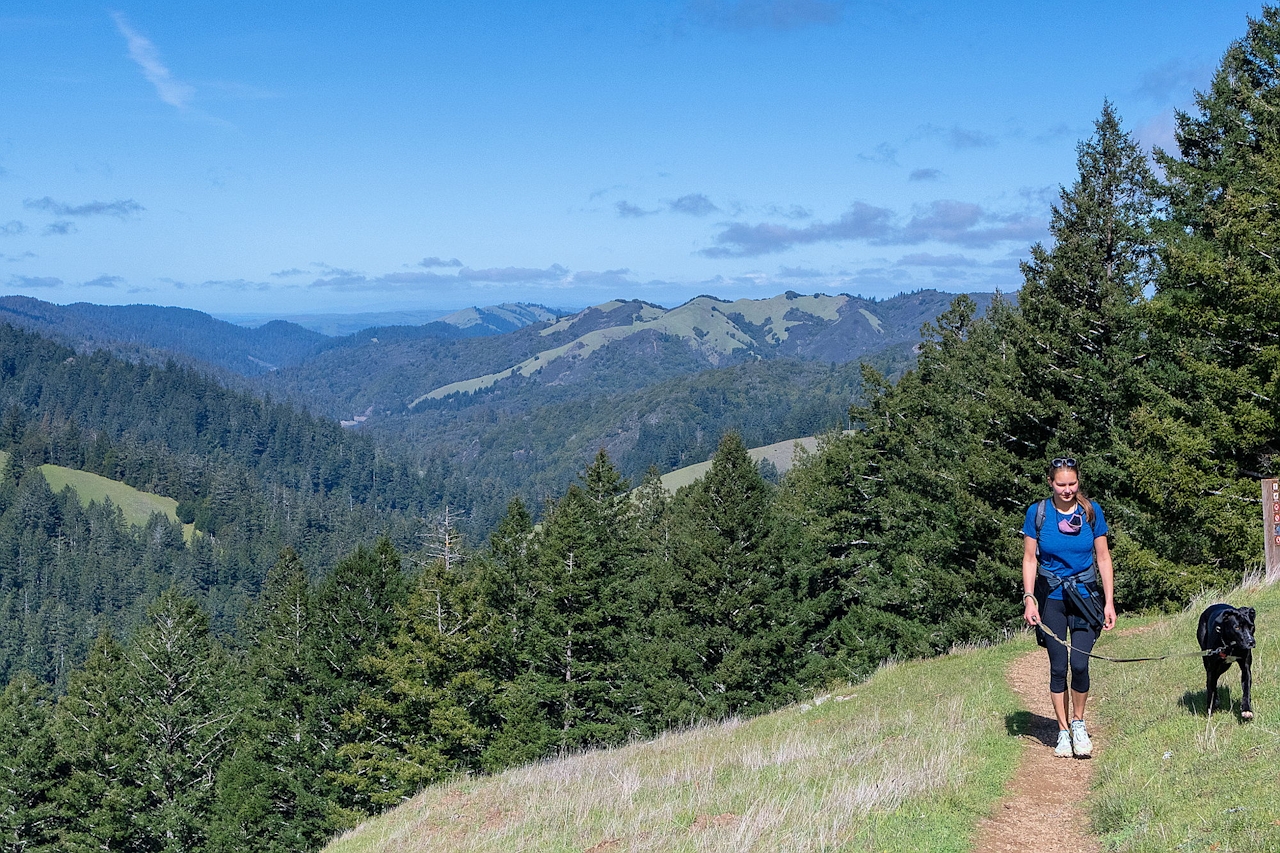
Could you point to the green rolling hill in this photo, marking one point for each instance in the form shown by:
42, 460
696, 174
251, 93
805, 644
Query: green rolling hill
137, 506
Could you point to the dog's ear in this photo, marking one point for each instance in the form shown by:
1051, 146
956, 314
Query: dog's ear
1249, 615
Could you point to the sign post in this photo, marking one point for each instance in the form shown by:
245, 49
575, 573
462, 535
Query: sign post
1271, 527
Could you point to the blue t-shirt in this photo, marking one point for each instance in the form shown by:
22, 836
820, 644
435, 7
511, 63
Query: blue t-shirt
1065, 554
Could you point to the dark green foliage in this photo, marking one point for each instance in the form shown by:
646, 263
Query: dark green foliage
576, 616
29, 817
272, 792
724, 610
432, 707
1209, 432
102, 797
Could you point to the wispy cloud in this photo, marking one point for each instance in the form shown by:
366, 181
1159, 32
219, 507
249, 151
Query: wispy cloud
122, 209
35, 281
885, 153
740, 15
861, 222
433, 261
173, 92
104, 281
925, 175
627, 210
59, 229
12, 228
963, 138
605, 278
945, 221
924, 259
799, 272
1173, 81
345, 280
289, 273
795, 211
694, 204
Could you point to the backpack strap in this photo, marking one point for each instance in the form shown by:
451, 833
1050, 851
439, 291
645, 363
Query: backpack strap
1084, 576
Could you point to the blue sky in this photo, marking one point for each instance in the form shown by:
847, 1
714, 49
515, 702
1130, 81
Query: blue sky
336, 157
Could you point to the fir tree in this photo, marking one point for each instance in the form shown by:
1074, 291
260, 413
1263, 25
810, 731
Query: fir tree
1216, 335
29, 769
728, 616
272, 791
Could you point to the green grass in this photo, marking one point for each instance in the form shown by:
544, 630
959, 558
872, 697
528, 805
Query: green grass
909, 760
1171, 779
137, 506
781, 454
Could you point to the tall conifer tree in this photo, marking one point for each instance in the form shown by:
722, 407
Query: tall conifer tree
1217, 314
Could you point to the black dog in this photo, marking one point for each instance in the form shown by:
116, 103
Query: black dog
1229, 631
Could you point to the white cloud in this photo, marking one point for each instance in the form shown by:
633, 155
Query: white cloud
173, 92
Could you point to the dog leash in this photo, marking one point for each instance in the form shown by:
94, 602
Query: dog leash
1067, 645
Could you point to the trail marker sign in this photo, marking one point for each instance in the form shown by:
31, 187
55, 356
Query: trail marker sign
1271, 527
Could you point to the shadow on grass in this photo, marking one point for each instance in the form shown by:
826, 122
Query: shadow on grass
1029, 724
1196, 703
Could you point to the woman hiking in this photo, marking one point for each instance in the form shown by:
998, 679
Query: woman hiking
1066, 567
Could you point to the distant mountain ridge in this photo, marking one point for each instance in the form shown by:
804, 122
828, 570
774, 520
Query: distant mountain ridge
154, 332
835, 329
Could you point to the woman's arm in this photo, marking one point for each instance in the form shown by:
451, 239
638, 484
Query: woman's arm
1102, 556
1030, 609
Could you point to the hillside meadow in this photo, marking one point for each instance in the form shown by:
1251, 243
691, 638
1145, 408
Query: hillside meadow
136, 505
908, 760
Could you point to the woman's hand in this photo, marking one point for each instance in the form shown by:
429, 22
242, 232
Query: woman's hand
1031, 611
1108, 616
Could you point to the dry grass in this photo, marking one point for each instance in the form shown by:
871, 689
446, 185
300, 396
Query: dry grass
820, 776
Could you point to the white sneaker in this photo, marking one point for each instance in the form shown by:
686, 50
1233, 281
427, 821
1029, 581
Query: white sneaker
1080, 743
1063, 749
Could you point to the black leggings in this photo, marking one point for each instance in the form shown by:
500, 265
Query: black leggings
1053, 613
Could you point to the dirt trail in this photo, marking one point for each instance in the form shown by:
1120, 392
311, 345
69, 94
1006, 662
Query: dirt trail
1042, 801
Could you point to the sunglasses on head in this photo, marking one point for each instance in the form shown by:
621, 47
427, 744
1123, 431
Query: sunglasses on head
1063, 462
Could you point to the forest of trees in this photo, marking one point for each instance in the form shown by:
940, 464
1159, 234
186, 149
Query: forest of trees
1145, 342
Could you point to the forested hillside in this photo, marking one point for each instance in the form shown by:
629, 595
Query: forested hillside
252, 475
153, 333
1145, 343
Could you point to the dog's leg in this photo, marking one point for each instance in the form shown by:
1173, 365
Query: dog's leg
1211, 674
1246, 685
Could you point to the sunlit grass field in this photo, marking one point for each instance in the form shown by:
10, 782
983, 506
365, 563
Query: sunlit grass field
137, 506
906, 761
1170, 778
911, 760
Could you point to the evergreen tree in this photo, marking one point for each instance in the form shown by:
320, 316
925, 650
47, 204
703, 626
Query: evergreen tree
102, 799
271, 793
574, 652
728, 615
1216, 338
29, 817
355, 611
431, 708
1083, 306
182, 716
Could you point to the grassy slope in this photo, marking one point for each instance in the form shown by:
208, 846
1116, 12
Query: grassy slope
137, 506
719, 336
1172, 779
907, 760
781, 454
